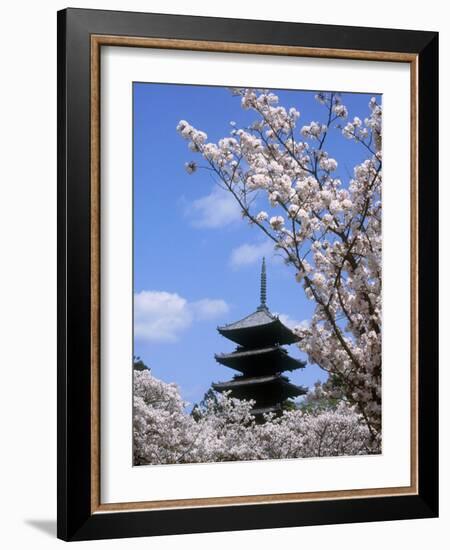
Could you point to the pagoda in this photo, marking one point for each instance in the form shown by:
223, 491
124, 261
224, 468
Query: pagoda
260, 358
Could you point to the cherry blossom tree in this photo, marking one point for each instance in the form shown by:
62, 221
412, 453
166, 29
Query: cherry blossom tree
328, 230
224, 429
162, 432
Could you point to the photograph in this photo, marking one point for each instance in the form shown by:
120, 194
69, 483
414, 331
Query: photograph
257, 273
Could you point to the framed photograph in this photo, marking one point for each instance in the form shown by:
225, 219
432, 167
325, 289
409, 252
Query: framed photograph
248, 298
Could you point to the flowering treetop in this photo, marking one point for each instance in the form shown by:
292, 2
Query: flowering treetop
224, 429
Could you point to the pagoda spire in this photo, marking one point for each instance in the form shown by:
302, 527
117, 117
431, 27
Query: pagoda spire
263, 290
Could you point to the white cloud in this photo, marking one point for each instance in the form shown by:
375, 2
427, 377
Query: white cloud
209, 309
290, 322
248, 254
217, 209
161, 316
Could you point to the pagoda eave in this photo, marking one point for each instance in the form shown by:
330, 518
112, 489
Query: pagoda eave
274, 332
247, 381
263, 361
259, 328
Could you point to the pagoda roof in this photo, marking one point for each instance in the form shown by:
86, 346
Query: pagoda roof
269, 359
260, 317
259, 327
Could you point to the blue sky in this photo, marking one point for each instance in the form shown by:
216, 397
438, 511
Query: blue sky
196, 262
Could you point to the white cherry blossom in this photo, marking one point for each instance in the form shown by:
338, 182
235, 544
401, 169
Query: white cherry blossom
223, 429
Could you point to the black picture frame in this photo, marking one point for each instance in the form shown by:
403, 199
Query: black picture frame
76, 520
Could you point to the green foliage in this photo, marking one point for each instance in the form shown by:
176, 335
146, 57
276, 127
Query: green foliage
319, 400
289, 405
198, 408
138, 364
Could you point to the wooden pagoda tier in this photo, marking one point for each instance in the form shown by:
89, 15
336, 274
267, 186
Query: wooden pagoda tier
260, 328
260, 359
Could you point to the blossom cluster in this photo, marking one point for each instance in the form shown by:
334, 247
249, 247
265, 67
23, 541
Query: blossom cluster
328, 229
224, 429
